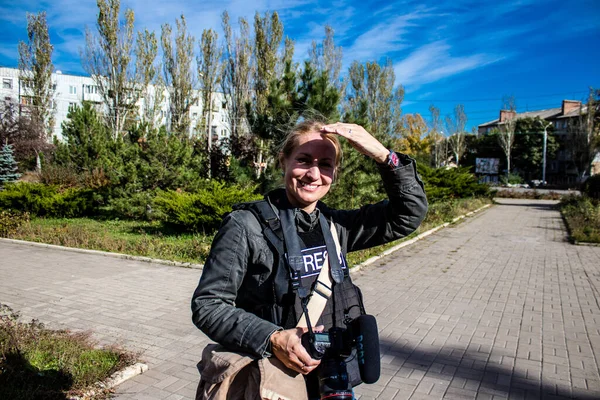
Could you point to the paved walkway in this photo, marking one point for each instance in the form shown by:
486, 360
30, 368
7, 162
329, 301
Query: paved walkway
498, 306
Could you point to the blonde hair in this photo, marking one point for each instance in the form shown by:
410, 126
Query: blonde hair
292, 141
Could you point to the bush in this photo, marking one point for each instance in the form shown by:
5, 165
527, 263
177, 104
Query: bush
47, 200
453, 183
591, 187
582, 215
59, 175
132, 205
203, 210
11, 220
513, 179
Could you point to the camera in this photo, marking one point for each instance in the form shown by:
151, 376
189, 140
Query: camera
334, 347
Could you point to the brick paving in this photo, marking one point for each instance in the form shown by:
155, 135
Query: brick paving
499, 306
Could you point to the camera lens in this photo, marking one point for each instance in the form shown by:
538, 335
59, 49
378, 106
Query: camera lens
333, 379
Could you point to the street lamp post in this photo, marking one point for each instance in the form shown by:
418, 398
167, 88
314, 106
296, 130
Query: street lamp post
544, 157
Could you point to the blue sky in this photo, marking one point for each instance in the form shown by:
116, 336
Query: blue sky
444, 52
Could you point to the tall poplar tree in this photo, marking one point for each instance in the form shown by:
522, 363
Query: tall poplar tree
108, 58
437, 138
236, 76
35, 74
36, 68
152, 83
179, 74
268, 33
375, 84
327, 57
208, 71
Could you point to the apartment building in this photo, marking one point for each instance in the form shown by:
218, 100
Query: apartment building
70, 90
560, 169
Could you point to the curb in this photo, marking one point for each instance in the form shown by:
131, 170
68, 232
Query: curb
115, 379
353, 270
105, 253
389, 251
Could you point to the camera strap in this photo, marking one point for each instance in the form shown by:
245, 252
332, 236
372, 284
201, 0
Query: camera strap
323, 287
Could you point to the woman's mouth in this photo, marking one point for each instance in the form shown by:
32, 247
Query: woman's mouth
308, 186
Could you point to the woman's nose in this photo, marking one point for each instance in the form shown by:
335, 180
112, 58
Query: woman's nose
314, 172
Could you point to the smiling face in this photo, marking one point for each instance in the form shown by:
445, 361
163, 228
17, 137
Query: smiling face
309, 170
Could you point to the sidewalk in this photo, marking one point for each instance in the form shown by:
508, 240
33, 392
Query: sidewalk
498, 306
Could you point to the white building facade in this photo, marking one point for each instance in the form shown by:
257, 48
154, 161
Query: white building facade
71, 90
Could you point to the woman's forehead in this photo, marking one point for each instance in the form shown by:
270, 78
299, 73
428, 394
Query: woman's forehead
314, 142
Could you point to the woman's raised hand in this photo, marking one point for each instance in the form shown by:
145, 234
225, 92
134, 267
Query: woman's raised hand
360, 139
287, 347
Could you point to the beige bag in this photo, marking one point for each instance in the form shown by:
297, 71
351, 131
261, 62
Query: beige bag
227, 375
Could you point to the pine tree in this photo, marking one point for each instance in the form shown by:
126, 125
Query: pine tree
8, 165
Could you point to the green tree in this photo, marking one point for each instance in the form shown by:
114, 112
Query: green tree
107, 58
8, 165
528, 151
584, 135
358, 181
35, 74
87, 144
375, 84
316, 92
179, 74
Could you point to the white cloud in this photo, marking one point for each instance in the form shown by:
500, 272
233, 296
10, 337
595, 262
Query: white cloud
385, 37
433, 62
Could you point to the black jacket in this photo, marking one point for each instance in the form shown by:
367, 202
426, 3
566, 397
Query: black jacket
237, 274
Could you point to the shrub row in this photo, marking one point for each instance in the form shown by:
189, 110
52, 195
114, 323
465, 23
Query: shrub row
198, 211
47, 200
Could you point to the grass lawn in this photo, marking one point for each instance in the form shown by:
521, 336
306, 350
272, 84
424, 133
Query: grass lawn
139, 238
38, 363
150, 239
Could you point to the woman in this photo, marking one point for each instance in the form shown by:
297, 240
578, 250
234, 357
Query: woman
234, 303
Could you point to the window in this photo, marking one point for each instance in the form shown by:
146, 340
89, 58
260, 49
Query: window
6, 83
27, 84
71, 106
224, 104
195, 116
72, 89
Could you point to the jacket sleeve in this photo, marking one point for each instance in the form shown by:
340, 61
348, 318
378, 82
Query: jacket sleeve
390, 219
214, 310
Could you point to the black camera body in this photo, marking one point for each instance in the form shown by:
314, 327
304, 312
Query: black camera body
333, 347
338, 341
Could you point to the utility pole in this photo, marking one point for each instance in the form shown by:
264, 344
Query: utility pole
544, 157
